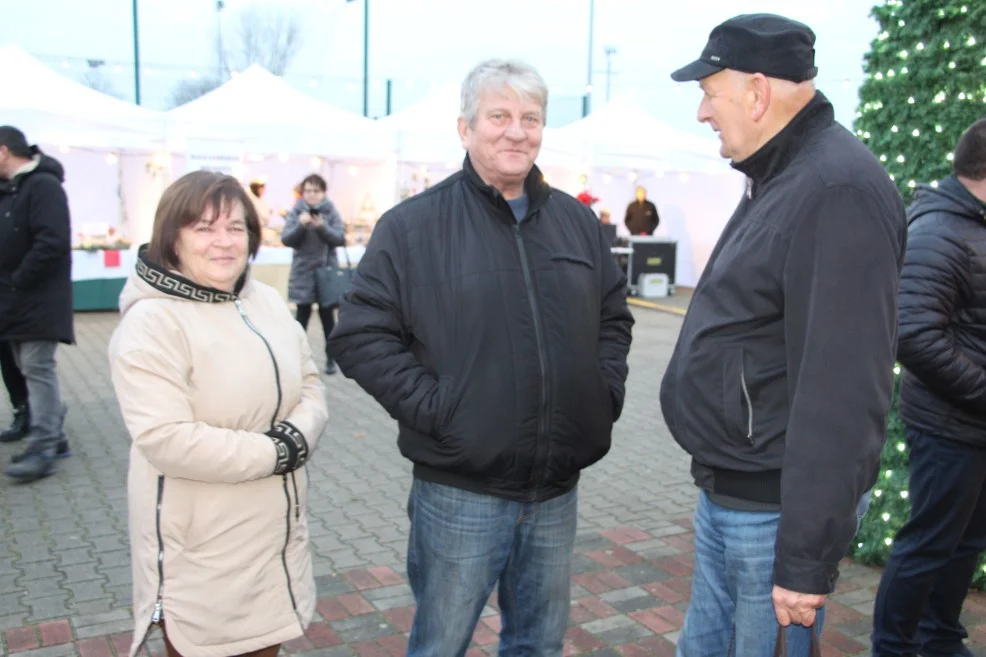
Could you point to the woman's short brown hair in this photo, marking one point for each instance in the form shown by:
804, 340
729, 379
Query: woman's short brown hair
184, 203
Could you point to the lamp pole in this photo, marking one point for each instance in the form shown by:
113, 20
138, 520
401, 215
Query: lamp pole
366, 56
588, 87
136, 56
610, 51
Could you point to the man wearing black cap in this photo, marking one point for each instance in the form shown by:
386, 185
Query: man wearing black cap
782, 376
35, 290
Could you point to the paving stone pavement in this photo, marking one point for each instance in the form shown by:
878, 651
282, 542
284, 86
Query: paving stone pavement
64, 561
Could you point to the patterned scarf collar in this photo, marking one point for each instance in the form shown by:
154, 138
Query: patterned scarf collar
175, 285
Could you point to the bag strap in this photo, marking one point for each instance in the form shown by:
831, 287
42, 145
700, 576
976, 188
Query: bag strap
345, 249
780, 650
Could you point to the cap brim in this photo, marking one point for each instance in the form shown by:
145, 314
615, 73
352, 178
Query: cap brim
695, 71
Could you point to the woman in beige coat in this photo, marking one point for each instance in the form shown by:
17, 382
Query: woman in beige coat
220, 394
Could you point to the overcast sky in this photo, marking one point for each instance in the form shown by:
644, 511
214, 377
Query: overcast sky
422, 44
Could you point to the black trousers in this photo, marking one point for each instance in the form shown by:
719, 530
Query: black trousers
935, 553
326, 315
13, 379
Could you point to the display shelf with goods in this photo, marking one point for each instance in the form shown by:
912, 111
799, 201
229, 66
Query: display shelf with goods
359, 228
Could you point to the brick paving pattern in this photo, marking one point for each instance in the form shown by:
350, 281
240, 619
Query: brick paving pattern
64, 561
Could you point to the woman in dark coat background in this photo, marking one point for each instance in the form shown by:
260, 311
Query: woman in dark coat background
313, 228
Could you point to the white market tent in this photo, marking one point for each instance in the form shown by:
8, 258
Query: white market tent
53, 109
258, 112
623, 134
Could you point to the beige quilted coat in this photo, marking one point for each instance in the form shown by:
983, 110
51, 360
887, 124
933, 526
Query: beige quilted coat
195, 376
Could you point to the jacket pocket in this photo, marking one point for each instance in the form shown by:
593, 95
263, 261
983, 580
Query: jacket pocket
737, 404
578, 260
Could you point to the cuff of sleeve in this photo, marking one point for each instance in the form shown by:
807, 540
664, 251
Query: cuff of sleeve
802, 576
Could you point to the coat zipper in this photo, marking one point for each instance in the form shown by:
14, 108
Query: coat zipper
749, 405
287, 494
158, 612
543, 412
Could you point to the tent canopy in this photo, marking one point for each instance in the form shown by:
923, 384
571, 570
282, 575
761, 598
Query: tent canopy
53, 109
622, 134
257, 111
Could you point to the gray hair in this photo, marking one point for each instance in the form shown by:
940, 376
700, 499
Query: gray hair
498, 74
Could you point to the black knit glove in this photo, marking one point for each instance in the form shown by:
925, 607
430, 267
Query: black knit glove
292, 448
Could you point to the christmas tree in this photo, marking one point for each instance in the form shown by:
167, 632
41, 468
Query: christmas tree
925, 84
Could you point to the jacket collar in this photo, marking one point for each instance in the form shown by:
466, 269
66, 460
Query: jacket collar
774, 156
175, 285
535, 188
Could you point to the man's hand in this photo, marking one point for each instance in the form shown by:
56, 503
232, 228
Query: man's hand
304, 218
797, 608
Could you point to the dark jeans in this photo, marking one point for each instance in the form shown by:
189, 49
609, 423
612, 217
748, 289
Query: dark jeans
13, 378
935, 553
327, 315
462, 544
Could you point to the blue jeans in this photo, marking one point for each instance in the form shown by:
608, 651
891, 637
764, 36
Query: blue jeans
462, 544
918, 606
732, 608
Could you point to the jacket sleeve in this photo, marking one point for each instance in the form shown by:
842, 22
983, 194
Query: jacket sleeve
332, 231
50, 230
293, 233
936, 270
371, 341
657, 218
840, 324
615, 324
311, 414
149, 371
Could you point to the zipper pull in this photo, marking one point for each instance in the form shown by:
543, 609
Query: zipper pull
239, 307
158, 612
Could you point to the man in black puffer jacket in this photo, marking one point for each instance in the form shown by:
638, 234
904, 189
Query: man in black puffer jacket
35, 290
489, 318
943, 405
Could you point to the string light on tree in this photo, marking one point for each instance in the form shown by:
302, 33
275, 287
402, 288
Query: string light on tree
924, 84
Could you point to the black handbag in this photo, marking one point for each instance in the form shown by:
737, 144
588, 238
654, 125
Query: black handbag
780, 650
332, 282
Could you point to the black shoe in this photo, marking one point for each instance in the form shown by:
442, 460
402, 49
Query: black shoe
20, 427
35, 464
330, 367
63, 451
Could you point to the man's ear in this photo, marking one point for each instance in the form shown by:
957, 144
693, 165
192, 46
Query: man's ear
463, 132
760, 88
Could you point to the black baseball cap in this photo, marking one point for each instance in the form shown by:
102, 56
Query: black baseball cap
773, 45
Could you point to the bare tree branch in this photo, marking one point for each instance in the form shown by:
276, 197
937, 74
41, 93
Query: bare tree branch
188, 90
270, 38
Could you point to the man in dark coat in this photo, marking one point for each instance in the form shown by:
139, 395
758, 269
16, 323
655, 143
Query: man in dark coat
641, 217
35, 288
943, 406
782, 375
489, 318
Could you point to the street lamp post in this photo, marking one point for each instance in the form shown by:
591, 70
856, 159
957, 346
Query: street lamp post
136, 57
588, 86
610, 51
366, 56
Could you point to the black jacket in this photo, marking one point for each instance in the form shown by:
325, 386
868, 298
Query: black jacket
641, 218
500, 348
36, 256
943, 315
781, 380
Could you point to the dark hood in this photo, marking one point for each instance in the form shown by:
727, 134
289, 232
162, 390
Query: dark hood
950, 196
51, 166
